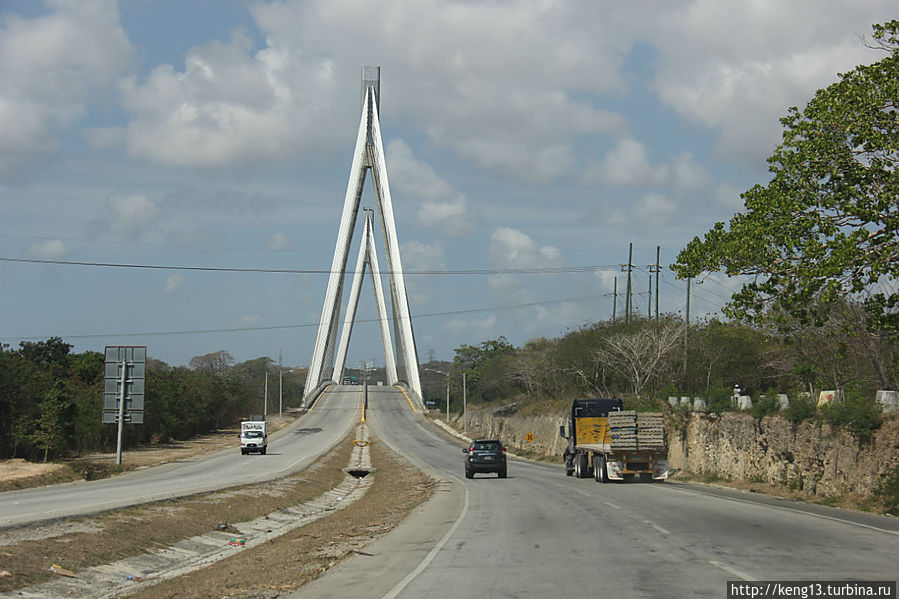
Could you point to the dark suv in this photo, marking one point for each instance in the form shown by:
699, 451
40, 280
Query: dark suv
485, 455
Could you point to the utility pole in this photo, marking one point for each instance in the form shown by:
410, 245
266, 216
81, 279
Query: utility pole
280, 385
265, 404
658, 268
686, 326
649, 305
627, 299
464, 404
614, 299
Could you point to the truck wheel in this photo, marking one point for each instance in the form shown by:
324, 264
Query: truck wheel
580, 466
263, 450
502, 473
603, 475
243, 451
469, 474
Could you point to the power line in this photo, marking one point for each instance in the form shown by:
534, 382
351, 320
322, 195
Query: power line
472, 271
307, 325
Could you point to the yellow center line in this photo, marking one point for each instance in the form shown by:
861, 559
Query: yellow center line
315, 403
403, 391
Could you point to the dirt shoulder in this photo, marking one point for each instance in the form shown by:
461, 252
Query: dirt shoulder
290, 560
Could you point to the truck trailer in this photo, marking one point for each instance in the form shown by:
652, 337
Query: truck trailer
612, 444
253, 437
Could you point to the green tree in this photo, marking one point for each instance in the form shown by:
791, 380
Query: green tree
53, 432
826, 224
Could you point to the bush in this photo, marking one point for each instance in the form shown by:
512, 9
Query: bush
887, 492
719, 399
858, 413
800, 409
764, 404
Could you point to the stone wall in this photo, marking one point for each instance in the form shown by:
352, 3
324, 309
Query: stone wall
816, 458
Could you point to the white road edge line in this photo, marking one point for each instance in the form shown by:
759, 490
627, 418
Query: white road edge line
610, 504
733, 571
401, 585
789, 509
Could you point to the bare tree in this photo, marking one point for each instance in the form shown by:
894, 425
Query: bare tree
640, 355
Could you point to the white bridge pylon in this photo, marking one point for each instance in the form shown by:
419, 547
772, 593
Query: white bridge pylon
367, 157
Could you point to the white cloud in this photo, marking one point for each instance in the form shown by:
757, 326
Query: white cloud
172, 284
450, 218
104, 137
50, 249
738, 80
687, 173
465, 74
422, 256
478, 327
278, 241
442, 208
728, 196
628, 164
51, 66
510, 248
132, 213
654, 209
233, 107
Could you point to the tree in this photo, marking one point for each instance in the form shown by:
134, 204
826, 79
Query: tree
215, 362
825, 226
640, 355
54, 427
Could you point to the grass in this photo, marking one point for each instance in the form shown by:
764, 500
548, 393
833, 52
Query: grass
132, 531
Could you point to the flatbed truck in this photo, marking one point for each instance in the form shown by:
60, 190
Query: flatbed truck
611, 444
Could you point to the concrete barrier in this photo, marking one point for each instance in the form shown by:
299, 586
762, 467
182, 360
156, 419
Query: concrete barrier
699, 404
744, 402
888, 401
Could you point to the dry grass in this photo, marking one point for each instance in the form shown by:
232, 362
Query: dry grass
129, 532
290, 560
302, 555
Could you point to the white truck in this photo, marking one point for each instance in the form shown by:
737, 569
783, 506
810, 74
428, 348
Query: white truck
253, 436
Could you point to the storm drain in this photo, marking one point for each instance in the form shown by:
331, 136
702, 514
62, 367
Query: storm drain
130, 575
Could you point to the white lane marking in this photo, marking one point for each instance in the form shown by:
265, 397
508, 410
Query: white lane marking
610, 504
787, 509
584, 493
657, 527
401, 585
733, 571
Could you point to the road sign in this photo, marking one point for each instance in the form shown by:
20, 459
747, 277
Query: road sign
529, 437
126, 363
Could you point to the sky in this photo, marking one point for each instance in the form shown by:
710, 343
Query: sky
214, 138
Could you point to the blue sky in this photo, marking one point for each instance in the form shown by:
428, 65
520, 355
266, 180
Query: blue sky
517, 135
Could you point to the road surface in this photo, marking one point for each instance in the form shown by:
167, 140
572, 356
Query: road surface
539, 533
290, 449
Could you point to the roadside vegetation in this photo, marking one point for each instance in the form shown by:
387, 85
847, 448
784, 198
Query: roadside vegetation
51, 400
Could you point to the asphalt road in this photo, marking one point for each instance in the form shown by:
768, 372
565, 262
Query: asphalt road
539, 533
290, 449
